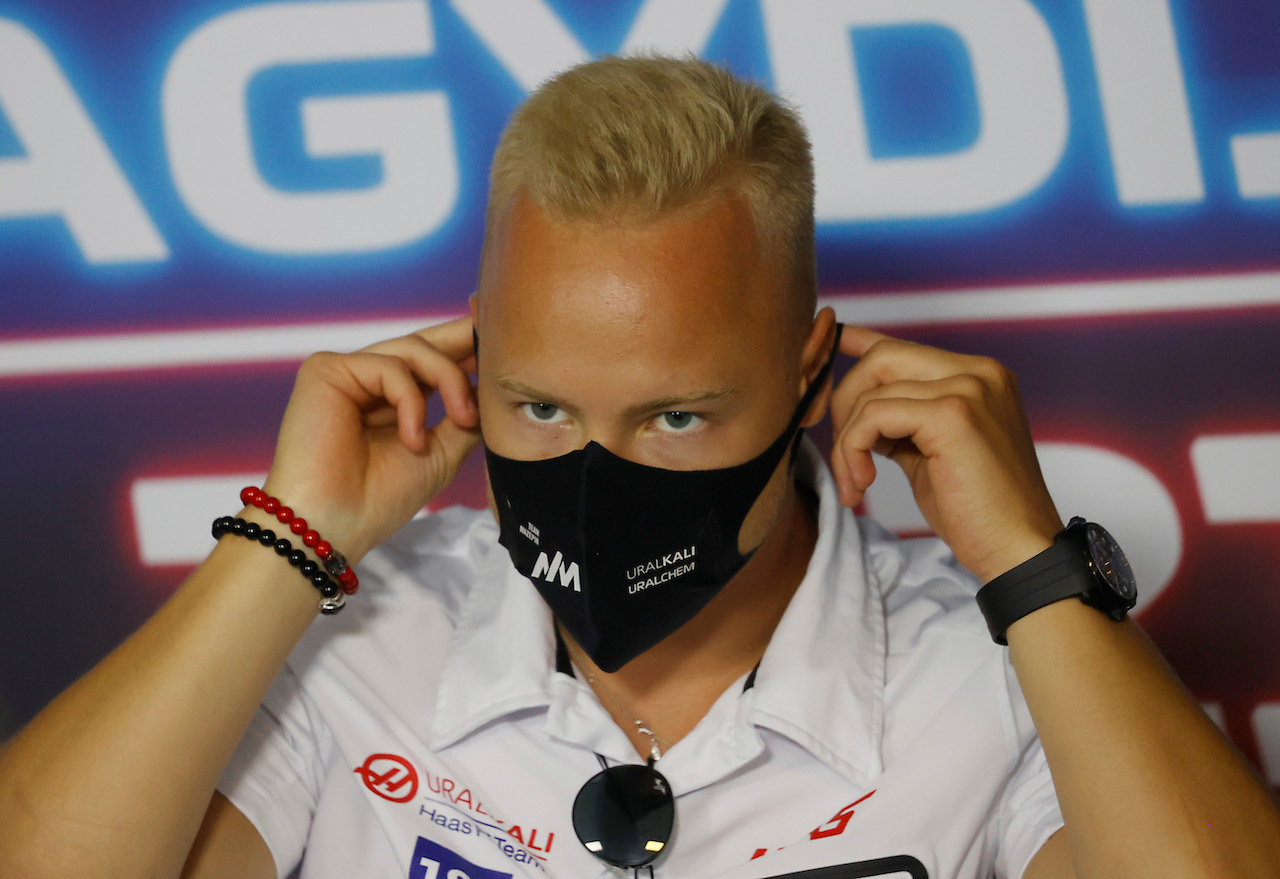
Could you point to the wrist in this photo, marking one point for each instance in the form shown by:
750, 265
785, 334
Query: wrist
240, 550
333, 523
1064, 623
330, 575
1012, 554
332, 561
1083, 561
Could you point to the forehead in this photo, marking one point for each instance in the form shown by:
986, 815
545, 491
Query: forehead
690, 293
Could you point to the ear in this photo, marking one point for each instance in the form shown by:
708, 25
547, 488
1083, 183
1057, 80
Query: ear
817, 348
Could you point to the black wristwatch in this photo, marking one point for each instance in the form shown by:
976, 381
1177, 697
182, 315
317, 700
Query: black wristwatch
1085, 560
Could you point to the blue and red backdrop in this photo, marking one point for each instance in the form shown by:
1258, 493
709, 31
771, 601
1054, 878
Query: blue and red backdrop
194, 195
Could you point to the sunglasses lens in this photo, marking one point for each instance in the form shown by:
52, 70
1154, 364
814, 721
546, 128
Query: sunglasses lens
624, 814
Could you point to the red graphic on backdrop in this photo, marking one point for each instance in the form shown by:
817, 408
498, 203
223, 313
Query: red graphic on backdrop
390, 777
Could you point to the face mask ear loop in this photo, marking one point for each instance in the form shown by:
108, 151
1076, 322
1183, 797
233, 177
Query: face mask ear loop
582, 527
475, 350
811, 392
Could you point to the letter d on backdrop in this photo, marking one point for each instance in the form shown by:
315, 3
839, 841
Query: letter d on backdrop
1021, 98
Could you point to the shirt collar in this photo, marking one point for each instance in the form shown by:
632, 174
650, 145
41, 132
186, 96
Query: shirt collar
820, 683
503, 654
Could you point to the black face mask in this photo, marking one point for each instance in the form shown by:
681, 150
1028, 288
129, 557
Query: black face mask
625, 553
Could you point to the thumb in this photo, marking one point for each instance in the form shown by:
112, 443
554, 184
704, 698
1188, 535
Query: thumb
455, 443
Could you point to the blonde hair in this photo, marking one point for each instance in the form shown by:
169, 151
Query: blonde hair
637, 138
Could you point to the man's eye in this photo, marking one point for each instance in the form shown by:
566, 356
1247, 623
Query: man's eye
678, 422
545, 413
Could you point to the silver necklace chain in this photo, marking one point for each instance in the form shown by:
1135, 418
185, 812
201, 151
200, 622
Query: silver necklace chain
642, 728
654, 751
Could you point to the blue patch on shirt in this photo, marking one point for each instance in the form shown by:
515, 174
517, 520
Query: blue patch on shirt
433, 861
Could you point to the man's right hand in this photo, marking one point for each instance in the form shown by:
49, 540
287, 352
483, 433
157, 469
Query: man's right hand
143, 737
355, 455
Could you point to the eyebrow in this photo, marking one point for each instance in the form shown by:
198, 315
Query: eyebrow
676, 402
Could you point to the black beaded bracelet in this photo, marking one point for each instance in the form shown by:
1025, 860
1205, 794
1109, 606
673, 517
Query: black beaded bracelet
332, 598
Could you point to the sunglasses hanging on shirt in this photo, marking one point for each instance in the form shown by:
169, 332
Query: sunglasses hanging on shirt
624, 814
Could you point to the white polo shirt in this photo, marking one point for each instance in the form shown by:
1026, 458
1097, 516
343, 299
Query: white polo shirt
425, 732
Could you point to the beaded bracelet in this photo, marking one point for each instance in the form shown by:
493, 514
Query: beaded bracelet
332, 598
334, 562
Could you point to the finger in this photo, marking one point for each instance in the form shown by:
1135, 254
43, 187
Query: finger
382, 417
968, 386
930, 425
894, 360
455, 442
854, 469
843, 471
857, 341
454, 338
879, 427
374, 378
435, 369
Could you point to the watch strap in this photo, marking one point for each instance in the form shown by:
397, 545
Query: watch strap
1059, 572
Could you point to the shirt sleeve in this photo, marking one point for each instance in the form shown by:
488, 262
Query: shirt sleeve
277, 771
1027, 813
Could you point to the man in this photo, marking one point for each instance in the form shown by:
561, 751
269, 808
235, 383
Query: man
814, 693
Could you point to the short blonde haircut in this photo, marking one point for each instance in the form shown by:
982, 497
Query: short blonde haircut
637, 138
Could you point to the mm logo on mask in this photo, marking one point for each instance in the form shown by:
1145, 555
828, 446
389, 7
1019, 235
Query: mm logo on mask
550, 570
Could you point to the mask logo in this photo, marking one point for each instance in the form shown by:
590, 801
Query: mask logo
531, 533
550, 570
671, 566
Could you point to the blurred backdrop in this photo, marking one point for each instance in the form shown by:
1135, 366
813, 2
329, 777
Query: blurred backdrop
195, 194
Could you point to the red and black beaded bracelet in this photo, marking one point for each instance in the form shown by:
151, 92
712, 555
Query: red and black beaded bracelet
334, 562
332, 598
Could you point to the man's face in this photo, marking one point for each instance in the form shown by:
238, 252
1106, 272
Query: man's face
667, 343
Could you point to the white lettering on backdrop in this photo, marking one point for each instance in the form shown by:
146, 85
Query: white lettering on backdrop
66, 170
210, 149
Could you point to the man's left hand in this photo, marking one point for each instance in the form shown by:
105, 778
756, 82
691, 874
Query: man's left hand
956, 426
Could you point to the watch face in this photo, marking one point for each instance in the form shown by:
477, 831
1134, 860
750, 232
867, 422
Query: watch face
1110, 561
